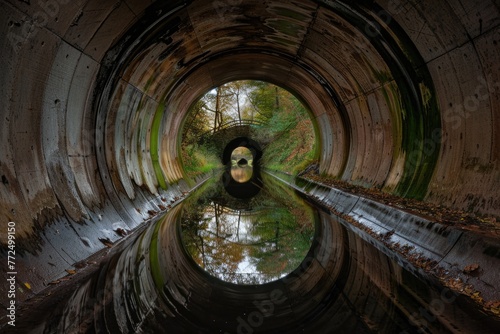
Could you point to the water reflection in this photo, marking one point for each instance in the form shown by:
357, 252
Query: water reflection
247, 241
241, 173
242, 190
345, 284
241, 168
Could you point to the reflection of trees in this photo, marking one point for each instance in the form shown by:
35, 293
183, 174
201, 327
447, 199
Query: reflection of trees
271, 242
260, 244
209, 237
288, 242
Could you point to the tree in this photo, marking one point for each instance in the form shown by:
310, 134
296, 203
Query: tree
262, 100
196, 123
236, 89
287, 126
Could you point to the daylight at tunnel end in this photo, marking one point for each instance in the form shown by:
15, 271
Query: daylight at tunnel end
404, 98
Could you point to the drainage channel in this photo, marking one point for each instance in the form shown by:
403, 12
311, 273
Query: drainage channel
260, 256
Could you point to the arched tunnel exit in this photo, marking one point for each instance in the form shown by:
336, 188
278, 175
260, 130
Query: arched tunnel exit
252, 145
405, 97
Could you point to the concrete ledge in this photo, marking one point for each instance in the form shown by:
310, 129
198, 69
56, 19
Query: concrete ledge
432, 248
67, 244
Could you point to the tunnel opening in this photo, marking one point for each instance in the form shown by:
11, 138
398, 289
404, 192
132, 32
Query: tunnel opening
250, 144
242, 157
95, 95
253, 114
242, 164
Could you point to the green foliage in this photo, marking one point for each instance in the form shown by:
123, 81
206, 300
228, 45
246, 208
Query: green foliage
196, 123
199, 159
286, 125
294, 144
288, 128
289, 241
154, 142
262, 97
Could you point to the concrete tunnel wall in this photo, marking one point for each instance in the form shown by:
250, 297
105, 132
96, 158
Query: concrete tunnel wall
328, 291
93, 94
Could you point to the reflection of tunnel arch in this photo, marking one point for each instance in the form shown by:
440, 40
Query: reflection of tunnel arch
327, 293
249, 143
245, 190
93, 94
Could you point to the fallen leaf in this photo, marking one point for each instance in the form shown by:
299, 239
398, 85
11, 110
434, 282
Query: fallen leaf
71, 271
106, 242
80, 265
121, 232
493, 304
27, 285
471, 268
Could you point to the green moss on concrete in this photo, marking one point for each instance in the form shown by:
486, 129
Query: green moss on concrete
155, 139
154, 261
414, 102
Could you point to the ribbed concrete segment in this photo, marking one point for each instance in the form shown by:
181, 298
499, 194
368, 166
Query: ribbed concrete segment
93, 93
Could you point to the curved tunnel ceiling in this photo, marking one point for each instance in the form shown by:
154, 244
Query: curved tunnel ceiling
410, 113
405, 97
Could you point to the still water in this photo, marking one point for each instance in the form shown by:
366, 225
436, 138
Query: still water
246, 239
255, 257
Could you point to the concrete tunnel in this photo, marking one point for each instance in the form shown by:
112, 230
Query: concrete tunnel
404, 94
